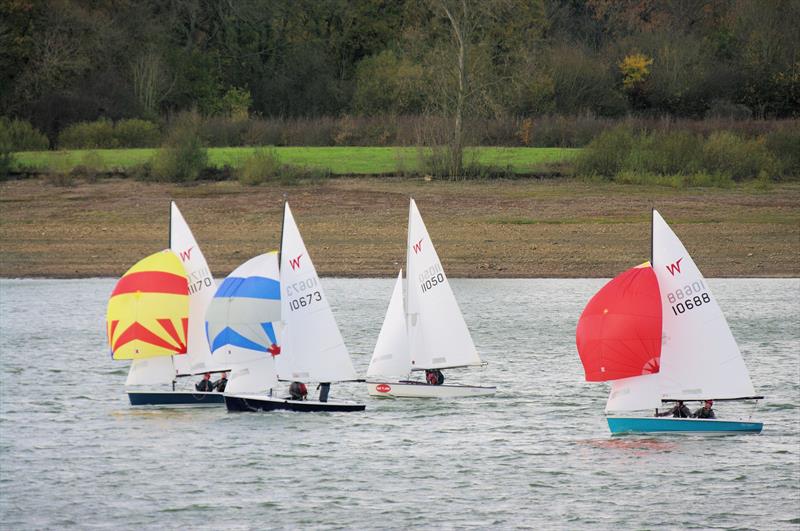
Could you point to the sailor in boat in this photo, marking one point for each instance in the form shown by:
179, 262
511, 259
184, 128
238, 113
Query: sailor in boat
678, 411
220, 384
205, 385
705, 412
434, 377
298, 391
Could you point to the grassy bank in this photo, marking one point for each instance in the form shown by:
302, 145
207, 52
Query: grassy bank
339, 160
356, 227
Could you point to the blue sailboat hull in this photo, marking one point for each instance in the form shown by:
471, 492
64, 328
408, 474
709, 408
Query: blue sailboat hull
619, 425
176, 399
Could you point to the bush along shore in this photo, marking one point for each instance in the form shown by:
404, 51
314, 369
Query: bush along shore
632, 151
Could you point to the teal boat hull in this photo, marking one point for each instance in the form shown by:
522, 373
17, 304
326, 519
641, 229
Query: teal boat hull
620, 425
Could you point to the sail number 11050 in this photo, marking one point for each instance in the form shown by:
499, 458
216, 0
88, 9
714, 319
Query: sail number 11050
688, 297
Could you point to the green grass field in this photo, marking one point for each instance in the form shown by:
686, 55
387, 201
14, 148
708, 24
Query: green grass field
339, 160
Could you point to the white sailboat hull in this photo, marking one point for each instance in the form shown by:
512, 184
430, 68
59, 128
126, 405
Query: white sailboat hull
410, 389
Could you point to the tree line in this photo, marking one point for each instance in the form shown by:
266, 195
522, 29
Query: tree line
69, 61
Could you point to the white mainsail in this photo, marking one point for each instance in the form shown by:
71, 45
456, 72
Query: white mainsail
241, 322
201, 290
700, 358
313, 349
438, 336
390, 357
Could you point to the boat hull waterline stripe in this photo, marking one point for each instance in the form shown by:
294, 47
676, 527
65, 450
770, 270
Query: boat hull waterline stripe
671, 425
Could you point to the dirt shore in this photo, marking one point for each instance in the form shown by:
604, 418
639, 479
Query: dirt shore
357, 227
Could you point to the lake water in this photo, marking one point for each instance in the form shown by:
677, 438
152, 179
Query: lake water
73, 453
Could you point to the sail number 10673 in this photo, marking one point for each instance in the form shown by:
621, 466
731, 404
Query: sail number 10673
688, 297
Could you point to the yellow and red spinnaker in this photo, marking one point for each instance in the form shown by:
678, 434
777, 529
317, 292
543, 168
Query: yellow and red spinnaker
148, 313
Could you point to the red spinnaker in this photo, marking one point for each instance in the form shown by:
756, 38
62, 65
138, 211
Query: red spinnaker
619, 331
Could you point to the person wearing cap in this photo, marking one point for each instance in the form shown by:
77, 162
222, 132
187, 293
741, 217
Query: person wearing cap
205, 385
678, 411
220, 384
705, 412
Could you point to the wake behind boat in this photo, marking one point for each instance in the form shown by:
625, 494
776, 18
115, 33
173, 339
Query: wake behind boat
155, 318
428, 333
274, 324
657, 333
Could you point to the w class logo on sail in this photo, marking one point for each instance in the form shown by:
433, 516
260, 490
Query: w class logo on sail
295, 262
417, 247
187, 254
676, 266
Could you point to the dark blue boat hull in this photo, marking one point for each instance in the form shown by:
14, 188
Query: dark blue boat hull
175, 399
252, 404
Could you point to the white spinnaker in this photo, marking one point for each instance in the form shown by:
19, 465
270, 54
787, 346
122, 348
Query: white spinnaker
313, 349
252, 371
201, 290
635, 393
390, 357
438, 335
700, 358
151, 371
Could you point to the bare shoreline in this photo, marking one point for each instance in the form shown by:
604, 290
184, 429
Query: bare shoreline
355, 227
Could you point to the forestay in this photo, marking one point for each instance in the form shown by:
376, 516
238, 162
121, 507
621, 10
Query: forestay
313, 349
438, 335
241, 324
390, 357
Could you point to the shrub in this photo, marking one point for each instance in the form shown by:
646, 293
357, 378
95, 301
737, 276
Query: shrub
136, 134
223, 131
19, 135
726, 153
91, 164
104, 134
259, 167
606, 154
182, 156
668, 153
263, 133
88, 135
784, 145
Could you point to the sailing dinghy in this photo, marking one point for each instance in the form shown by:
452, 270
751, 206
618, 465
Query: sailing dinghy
657, 333
428, 333
278, 325
164, 346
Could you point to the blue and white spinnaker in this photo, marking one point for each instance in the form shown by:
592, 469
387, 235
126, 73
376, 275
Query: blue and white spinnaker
242, 324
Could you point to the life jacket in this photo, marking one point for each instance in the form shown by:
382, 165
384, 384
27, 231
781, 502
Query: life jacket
430, 376
298, 390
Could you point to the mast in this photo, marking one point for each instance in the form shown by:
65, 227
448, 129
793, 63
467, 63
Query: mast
652, 220
169, 233
283, 227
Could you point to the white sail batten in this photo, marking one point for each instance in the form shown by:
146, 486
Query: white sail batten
700, 358
201, 290
151, 371
390, 357
238, 319
313, 349
438, 335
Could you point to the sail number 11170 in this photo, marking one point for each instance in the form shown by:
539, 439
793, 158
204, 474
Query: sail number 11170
688, 297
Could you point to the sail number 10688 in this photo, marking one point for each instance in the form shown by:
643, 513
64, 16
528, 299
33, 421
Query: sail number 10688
688, 297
